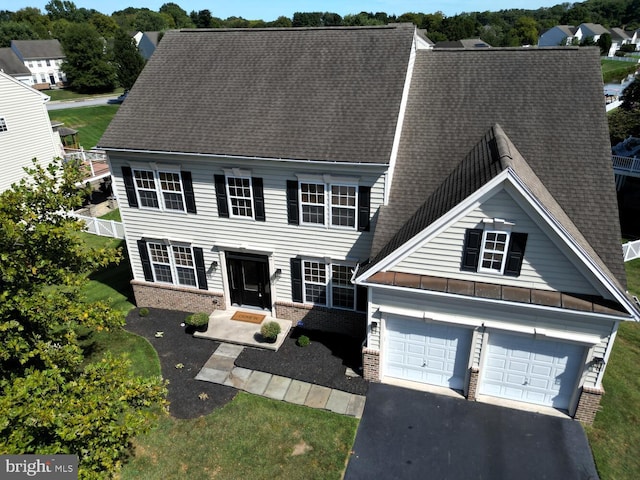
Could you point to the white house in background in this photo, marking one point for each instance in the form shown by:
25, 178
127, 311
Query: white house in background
560, 35
11, 65
44, 59
148, 43
445, 222
25, 130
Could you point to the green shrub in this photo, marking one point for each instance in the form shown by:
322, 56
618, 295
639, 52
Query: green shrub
197, 319
303, 341
270, 330
143, 312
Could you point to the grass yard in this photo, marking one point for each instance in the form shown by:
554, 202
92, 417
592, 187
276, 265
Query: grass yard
112, 215
251, 437
66, 94
613, 70
615, 434
91, 122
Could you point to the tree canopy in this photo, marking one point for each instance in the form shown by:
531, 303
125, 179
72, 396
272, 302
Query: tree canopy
129, 63
51, 400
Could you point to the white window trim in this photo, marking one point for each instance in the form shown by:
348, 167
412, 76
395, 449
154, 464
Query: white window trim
483, 249
328, 270
3, 123
301, 204
354, 208
172, 262
158, 187
327, 182
230, 197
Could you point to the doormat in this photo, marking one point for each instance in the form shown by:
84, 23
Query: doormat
248, 317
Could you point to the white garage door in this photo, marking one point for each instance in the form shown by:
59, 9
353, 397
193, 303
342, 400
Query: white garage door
531, 370
431, 353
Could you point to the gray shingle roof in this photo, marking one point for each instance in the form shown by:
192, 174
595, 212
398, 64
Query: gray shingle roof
458, 95
11, 64
37, 49
329, 94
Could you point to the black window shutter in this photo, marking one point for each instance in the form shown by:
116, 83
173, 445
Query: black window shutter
292, 202
471, 252
515, 255
189, 197
129, 187
361, 298
364, 201
221, 196
201, 271
144, 258
296, 280
258, 198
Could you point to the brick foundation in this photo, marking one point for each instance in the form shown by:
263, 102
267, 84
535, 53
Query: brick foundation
325, 319
472, 390
176, 298
371, 364
589, 404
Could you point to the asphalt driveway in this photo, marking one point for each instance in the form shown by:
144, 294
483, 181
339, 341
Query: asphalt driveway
406, 434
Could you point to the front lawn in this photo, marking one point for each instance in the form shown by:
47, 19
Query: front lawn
615, 434
615, 70
67, 94
251, 437
91, 122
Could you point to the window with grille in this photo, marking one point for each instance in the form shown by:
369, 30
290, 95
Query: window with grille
3, 125
172, 264
312, 203
240, 197
328, 284
162, 190
494, 251
343, 205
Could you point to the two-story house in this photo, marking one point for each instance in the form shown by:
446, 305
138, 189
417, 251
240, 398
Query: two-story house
361, 182
44, 59
25, 130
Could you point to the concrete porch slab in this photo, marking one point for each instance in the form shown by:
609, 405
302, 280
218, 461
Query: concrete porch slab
223, 329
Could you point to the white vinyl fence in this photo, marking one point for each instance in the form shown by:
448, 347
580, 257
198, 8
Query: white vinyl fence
631, 250
104, 228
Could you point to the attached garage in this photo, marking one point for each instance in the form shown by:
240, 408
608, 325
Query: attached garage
530, 369
431, 353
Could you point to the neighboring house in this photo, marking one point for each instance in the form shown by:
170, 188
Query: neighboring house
360, 182
558, 36
11, 65
590, 30
44, 59
147, 44
25, 130
465, 43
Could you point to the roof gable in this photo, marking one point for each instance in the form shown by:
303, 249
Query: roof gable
457, 95
327, 94
11, 64
37, 49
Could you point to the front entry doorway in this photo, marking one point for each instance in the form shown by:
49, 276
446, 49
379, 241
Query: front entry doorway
249, 280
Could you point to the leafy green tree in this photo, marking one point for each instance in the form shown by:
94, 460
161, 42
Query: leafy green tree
631, 96
86, 66
307, 19
526, 28
41, 24
148, 21
129, 62
51, 400
15, 31
282, 22
66, 9
105, 25
179, 16
604, 42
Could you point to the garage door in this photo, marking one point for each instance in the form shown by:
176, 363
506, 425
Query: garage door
531, 370
431, 353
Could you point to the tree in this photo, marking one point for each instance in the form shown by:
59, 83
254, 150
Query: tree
526, 28
148, 21
37, 21
105, 25
62, 9
604, 42
631, 96
129, 62
86, 65
15, 31
179, 16
51, 401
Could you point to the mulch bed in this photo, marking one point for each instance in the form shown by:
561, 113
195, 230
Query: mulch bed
322, 362
175, 347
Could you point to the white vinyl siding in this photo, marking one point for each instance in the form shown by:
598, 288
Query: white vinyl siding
545, 265
274, 237
28, 131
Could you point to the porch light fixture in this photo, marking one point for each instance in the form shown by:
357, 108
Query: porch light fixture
374, 327
214, 265
278, 273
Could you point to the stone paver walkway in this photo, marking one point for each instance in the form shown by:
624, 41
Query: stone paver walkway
220, 369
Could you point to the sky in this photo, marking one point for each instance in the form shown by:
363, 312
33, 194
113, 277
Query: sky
269, 10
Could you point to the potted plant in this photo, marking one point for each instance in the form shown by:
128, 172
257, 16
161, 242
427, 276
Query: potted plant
270, 331
197, 321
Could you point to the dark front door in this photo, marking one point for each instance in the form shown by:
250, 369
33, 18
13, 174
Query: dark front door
249, 280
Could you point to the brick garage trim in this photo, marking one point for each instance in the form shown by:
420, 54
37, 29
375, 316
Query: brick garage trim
322, 318
589, 404
371, 364
472, 388
176, 298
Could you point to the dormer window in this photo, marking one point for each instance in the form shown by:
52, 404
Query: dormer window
494, 249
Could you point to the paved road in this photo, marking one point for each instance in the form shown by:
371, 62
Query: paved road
60, 105
405, 434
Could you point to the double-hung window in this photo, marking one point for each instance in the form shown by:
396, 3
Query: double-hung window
494, 251
160, 189
328, 284
240, 197
172, 262
3, 125
497, 250
332, 202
